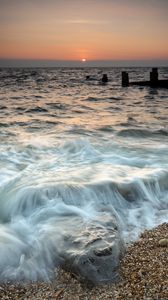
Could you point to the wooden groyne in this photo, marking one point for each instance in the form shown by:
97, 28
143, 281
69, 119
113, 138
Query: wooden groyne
153, 82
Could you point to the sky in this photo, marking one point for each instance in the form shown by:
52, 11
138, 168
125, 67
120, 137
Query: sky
72, 30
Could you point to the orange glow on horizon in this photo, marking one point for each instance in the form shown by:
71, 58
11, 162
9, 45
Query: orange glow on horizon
83, 31
119, 51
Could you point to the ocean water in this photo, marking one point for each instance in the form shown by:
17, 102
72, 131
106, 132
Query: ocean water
71, 149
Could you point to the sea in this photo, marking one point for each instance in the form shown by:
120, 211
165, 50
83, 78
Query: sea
70, 149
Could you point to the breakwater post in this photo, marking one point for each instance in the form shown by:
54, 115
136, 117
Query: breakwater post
104, 78
125, 79
154, 76
154, 82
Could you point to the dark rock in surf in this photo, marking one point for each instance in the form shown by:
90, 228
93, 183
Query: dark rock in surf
94, 251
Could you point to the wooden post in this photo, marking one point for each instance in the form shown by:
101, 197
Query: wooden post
154, 76
125, 79
104, 78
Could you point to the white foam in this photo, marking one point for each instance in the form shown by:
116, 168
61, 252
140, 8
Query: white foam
69, 183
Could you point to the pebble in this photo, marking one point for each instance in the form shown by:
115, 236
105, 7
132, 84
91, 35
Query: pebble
143, 272
163, 243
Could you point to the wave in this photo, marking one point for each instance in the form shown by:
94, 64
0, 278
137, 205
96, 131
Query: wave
106, 128
37, 221
3, 107
36, 109
79, 131
104, 99
4, 125
141, 133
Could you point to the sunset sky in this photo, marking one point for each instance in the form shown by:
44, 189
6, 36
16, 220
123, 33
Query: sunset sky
90, 29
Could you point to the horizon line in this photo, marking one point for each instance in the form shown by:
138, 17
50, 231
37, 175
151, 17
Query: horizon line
28, 62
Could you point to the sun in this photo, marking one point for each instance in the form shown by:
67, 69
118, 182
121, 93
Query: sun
83, 59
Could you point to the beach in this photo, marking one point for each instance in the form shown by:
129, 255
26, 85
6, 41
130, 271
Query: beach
143, 275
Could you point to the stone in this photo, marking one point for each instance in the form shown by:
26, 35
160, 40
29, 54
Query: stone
163, 243
93, 252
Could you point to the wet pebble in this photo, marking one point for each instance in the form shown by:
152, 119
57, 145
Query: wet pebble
143, 270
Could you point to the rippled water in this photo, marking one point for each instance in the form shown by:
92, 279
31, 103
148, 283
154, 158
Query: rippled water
71, 148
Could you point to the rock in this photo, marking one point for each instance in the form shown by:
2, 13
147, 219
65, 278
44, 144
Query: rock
163, 243
94, 251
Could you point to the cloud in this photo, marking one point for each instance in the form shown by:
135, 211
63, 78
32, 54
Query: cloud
87, 21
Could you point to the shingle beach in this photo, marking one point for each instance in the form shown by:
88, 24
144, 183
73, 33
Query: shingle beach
143, 275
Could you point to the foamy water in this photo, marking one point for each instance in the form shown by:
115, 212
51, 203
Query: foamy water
71, 149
